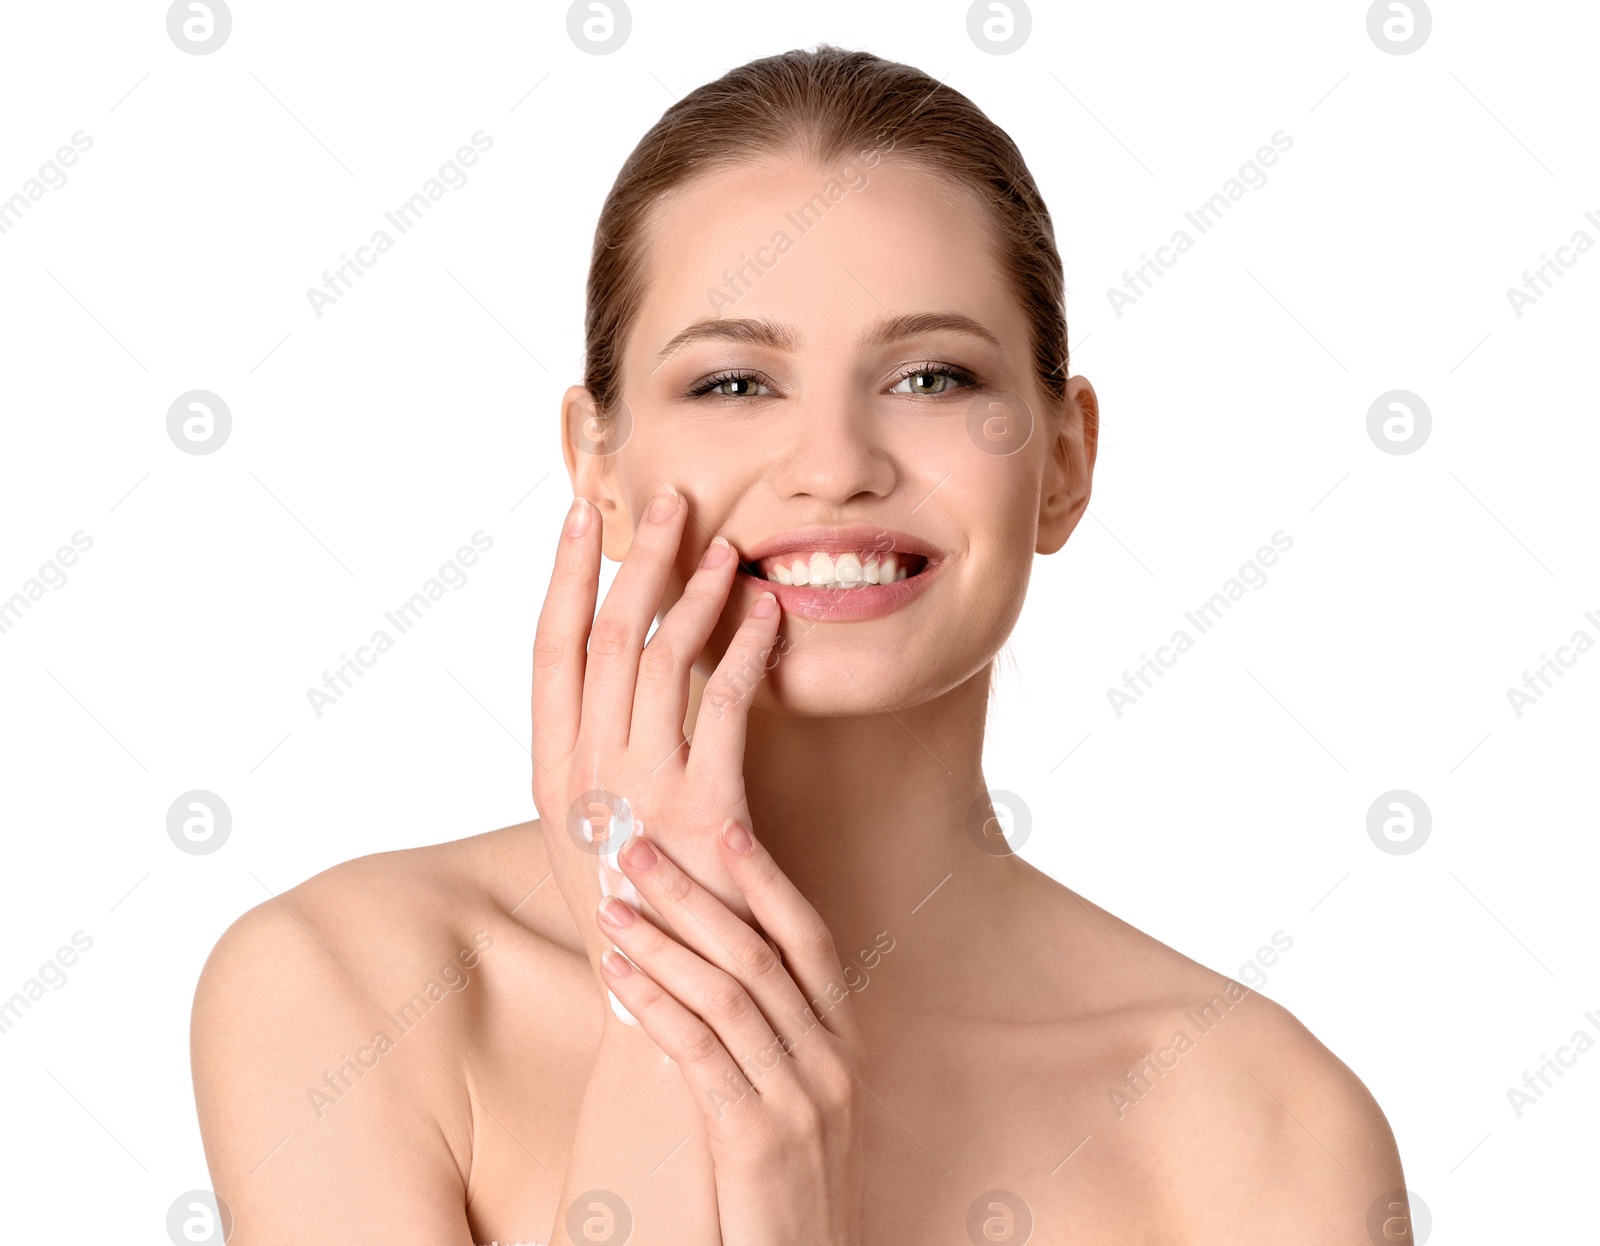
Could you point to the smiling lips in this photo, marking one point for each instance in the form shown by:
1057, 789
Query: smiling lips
843, 574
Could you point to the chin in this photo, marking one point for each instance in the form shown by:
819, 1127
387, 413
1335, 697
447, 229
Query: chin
822, 680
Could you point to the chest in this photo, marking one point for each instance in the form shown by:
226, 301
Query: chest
1013, 1143
984, 1134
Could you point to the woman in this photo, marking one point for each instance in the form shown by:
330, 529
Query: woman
826, 424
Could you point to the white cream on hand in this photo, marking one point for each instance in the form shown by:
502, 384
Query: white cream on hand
613, 882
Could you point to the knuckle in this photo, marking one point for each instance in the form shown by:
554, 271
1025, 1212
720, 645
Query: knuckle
609, 637
839, 1091
699, 1045
650, 997
731, 684
806, 1118
726, 1000
550, 649
816, 940
702, 594
675, 886
760, 960
767, 872
658, 660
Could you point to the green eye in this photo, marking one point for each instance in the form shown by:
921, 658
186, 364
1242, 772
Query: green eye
932, 379
732, 385
925, 383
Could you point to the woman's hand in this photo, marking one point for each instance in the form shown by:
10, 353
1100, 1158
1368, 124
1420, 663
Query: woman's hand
609, 710
761, 1030
609, 748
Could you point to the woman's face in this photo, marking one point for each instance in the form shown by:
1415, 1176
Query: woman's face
829, 349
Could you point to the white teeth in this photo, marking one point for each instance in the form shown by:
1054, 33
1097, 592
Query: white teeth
845, 570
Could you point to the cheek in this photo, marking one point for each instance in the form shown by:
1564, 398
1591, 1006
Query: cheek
709, 463
999, 517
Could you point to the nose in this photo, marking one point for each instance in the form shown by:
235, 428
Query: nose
832, 450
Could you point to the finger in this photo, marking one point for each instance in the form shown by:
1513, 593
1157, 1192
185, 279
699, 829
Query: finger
625, 617
706, 1066
793, 923
661, 697
720, 726
560, 638
708, 927
717, 998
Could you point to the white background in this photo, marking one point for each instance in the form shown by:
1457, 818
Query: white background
368, 444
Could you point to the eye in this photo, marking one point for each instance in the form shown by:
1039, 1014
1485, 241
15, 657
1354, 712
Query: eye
732, 385
932, 379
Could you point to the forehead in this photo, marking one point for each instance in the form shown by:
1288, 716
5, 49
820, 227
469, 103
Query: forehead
827, 250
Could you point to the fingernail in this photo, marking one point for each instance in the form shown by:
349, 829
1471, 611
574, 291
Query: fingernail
615, 913
639, 854
766, 606
736, 836
716, 553
662, 507
578, 517
616, 963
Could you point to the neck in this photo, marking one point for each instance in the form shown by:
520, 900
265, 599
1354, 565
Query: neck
874, 818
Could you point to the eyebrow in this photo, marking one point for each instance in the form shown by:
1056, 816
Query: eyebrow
763, 332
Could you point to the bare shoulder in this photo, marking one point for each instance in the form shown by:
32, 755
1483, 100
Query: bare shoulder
333, 1031
1304, 1149
1257, 1131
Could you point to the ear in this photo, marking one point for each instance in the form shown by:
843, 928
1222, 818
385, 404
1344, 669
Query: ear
1069, 472
587, 447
